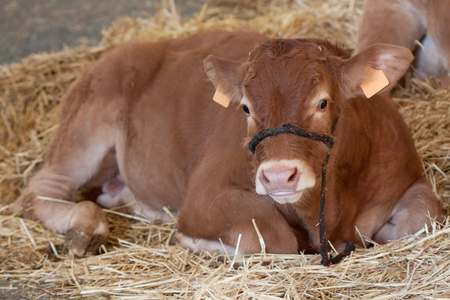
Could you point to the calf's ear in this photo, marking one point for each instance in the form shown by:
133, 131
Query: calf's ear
226, 75
392, 60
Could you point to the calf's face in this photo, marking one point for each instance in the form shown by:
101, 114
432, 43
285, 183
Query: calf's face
303, 83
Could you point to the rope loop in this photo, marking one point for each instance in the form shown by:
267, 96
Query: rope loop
288, 128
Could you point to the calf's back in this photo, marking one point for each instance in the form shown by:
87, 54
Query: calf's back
159, 103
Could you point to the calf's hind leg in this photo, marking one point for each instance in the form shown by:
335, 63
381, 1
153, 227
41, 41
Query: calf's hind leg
411, 213
74, 157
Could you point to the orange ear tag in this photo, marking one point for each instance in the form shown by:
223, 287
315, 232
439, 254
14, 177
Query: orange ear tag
375, 83
221, 98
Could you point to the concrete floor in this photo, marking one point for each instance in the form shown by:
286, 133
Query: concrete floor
32, 26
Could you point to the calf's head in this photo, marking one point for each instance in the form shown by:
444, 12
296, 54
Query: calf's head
304, 82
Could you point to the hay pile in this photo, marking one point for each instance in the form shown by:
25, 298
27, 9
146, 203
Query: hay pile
138, 261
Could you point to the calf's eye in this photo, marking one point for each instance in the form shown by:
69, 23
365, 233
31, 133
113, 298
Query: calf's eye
245, 108
322, 104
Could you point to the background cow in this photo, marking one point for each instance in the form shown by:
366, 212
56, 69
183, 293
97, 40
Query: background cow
403, 22
141, 123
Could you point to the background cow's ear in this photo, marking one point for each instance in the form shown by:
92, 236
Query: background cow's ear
226, 75
392, 60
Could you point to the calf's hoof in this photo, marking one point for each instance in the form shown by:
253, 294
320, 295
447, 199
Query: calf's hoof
88, 229
82, 245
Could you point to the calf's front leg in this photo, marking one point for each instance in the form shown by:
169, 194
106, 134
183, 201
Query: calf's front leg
211, 217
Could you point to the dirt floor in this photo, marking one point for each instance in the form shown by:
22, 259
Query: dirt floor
28, 27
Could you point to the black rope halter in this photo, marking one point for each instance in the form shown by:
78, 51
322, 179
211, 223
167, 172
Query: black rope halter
329, 142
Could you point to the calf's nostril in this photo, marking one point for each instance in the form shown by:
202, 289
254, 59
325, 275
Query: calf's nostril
263, 178
293, 177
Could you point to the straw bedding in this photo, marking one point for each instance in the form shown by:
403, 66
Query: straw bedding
139, 260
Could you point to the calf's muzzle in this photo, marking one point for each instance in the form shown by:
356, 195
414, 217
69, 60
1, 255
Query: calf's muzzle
284, 180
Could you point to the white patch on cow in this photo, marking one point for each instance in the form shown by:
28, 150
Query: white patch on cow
245, 101
285, 194
91, 158
109, 201
198, 245
321, 94
284, 198
152, 213
251, 123
429, 61
102, 229
127, 199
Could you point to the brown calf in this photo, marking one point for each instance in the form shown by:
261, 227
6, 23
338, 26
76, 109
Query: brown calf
402, 22
141, 123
